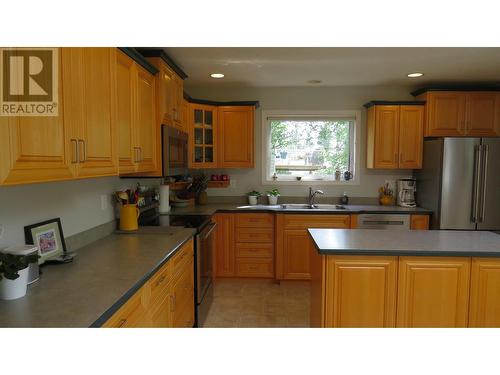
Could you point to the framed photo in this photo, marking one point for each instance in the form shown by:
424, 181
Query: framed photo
49, 238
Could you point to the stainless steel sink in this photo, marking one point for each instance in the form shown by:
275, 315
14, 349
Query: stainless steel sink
313, 207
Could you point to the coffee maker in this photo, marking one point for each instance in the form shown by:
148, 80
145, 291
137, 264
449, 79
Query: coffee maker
406, 192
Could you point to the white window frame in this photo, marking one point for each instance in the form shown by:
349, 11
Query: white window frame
266, 145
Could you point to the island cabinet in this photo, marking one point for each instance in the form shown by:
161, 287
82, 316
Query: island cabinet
395, 136
293, 243
80, 141
461, 113
167, 298
485, 293
138, 130
433, 292
363, 293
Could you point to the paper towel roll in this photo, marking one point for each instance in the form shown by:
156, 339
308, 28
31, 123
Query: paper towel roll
164, 199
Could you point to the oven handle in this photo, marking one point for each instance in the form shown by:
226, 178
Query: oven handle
207, 231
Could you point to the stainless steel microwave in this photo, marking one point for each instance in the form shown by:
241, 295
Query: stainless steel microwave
174, 150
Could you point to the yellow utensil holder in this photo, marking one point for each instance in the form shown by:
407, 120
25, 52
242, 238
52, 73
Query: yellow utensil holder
129, 213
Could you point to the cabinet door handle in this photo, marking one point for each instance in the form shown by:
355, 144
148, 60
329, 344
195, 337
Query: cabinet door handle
140, 155
122, 323
74, 151
84, 153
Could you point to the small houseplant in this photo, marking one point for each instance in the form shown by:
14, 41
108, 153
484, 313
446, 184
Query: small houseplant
14, 274
272, 196
253, 196
199, 187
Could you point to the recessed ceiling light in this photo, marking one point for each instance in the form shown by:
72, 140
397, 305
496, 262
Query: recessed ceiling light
314, 81
415, 75
217, 75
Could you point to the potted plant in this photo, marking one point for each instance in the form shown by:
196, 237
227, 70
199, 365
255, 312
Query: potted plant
272, 196
253, 196
14, 274
199, 187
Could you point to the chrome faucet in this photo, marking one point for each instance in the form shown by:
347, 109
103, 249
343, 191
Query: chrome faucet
312, 195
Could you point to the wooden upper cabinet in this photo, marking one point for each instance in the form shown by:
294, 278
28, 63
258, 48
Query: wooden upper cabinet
203, 130
445, 114
146, 129
485, 293
90, 111
236, 137
361, 291
433, 292
395, 136
97, 130
125, 78
36, 149
461, 113
481, 118
177, 100
138, 126
411, 130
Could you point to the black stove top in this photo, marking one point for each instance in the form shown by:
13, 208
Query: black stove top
154, 219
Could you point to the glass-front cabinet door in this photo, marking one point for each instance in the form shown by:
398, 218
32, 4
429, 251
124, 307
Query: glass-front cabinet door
203, 136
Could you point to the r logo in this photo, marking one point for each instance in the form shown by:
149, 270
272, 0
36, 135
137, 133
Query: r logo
29, 82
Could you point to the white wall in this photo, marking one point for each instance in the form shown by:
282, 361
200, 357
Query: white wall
304, 98
77, 203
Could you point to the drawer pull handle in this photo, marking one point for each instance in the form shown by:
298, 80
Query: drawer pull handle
122, 323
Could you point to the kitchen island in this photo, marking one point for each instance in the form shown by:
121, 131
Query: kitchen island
375, 278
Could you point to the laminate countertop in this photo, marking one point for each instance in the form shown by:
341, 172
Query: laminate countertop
212, 208
103, 276
406, 242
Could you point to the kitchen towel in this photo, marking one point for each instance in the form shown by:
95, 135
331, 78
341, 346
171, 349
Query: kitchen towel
164, 199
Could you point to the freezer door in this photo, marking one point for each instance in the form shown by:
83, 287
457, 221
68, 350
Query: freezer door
489, 206
458, 181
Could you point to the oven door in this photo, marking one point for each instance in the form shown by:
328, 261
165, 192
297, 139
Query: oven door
205, 247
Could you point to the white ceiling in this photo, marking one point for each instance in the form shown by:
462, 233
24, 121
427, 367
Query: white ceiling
270, 67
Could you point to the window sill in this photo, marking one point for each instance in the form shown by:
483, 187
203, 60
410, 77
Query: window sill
306, 182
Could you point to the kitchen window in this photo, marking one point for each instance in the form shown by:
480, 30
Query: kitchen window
309, 147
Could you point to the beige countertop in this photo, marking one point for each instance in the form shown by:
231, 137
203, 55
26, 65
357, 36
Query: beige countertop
101, 278
406, 242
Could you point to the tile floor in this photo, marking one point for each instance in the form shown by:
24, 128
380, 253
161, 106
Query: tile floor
259, 303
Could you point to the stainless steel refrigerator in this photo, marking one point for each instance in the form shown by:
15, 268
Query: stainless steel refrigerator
460, 183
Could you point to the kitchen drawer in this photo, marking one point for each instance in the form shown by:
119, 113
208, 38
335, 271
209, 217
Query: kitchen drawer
159, 283
254, 267
182, 256
133, 314
254, 220
254, 235
254, 250
316, 221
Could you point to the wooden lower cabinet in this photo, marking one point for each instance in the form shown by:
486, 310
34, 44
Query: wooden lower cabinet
485, 293
224, 249
433, 292
419, 222
362, 292
293, 244
167, 298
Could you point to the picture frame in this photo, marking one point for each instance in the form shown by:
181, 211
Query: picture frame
49, 237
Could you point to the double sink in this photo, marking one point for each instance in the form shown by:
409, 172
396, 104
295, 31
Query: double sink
298, 206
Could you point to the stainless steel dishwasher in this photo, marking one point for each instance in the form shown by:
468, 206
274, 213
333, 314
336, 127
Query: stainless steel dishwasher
384, 221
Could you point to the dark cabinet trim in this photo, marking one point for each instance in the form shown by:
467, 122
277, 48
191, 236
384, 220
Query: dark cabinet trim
393, 102
159, 52
254, 103
460, 87
138, 58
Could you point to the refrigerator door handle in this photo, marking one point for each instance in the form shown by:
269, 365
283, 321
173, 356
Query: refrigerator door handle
484, 169
477, 182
